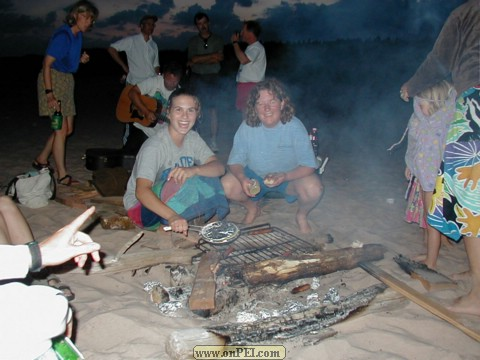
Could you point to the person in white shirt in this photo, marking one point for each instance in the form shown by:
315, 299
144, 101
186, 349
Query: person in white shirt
253, 61
32, 315
142, 57
141, 51
159, 87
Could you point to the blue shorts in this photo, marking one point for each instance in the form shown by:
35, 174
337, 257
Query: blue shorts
264, 189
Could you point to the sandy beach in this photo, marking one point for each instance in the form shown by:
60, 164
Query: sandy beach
363, 201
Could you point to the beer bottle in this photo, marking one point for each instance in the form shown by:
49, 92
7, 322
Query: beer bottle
57, 117
314, 140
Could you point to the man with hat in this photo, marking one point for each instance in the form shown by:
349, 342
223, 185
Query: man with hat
141, 51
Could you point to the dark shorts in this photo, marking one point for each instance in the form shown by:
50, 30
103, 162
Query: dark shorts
207, 87
264, 189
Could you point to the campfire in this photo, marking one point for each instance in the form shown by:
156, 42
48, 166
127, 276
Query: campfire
264, 286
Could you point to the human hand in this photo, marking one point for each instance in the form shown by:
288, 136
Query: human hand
152, 117
178, 224
85, 58
235, 36
274, 179
68, 243
408, 173
404, 93
52, 101
180, 174
218, 56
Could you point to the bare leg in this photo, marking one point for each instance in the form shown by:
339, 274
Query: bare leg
309, 190
42, 158
14, 229
55, 145
433, 235
470, 303
233, 191
213, 123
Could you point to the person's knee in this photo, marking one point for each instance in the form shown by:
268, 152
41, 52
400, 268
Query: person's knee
6, 203
227, 184
310, 190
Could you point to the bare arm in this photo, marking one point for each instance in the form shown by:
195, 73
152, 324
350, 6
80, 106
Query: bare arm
116, 57
148, 199
47, 80
212, 58
299, 172
212, 168
135, 95
239, 53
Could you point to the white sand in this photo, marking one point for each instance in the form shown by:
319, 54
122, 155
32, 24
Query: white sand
115, 319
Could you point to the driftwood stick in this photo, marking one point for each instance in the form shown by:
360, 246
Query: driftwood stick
418, 298
127, 246
282, 270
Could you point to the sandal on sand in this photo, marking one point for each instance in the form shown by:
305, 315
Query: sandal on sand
39, 166
55, 282
67, 180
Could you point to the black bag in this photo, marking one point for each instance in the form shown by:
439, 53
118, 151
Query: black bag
110, 181
101, 158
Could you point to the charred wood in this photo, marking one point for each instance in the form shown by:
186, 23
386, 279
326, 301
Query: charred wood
298, 323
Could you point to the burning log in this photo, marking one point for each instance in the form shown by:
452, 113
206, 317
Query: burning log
298, 323
282, 270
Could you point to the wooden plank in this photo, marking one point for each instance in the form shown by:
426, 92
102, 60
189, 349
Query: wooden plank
204, 286
430, 279
75, 196
141, 260
418, 298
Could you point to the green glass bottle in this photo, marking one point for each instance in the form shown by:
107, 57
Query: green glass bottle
65, 349
57, 117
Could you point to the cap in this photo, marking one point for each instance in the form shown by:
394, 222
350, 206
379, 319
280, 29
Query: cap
147, 17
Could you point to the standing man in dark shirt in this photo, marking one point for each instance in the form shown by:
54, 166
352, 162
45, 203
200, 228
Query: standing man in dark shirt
205, 53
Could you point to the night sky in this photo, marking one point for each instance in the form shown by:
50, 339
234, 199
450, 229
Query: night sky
26, 25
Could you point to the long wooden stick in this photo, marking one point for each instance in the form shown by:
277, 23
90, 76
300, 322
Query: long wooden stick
418, 298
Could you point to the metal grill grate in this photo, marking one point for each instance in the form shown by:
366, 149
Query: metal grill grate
259, 245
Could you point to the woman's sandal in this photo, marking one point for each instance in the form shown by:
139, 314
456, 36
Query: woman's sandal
39, 166
55, 282
67, 180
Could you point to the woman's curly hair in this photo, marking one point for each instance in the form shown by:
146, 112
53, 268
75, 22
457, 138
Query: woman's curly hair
276, 88
79, 7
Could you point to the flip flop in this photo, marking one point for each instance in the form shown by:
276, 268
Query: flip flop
55, 282
67, 292
67, 180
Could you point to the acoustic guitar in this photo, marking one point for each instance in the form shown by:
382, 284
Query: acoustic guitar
126, 111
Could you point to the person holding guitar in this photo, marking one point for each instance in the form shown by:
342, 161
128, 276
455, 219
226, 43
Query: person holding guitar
145, 105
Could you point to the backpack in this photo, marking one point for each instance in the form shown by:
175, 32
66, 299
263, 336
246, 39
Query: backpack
32, 189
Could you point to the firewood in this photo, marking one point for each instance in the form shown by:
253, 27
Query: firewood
204, 287
297, 323
282, 270
430, 279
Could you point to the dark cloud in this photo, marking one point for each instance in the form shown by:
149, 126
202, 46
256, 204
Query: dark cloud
290, 23
133, 16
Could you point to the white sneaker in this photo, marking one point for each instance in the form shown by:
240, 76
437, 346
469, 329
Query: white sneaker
213, 145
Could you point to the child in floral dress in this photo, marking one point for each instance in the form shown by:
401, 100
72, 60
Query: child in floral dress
433, 112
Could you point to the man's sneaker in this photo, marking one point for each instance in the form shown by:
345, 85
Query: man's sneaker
213, 145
